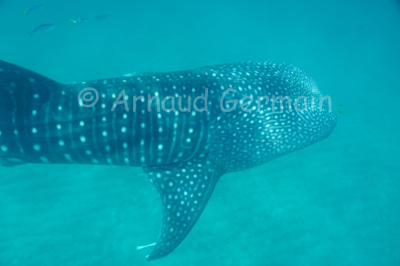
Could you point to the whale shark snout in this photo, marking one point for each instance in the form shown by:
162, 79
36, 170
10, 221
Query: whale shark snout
308, 116
306, 129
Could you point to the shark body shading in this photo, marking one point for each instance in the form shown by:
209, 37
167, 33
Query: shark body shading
184, 153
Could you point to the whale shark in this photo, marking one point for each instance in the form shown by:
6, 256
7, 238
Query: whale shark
185, 129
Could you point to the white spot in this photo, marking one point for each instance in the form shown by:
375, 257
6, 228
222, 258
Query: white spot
61, 143
58, 126
4, 148
36, 147
34, 112
89, 152
123, 129
36, 96
59, 107
160, 147
81, 123
105, 133
34, 130
83, 139
125, 145
143, 125
191, 130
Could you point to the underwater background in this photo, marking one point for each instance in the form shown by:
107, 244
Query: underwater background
336, 202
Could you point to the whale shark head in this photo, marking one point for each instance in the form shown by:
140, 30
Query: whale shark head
297, 114
287, 112
299, 125
298, 119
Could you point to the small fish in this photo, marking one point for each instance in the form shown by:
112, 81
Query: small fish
340, 112
340, 105
101, 17
80, 20
130, 74
43, 27
33, 8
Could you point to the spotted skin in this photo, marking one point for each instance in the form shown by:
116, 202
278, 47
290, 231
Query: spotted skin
184, 152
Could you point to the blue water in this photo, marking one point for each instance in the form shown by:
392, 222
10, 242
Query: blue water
334, 203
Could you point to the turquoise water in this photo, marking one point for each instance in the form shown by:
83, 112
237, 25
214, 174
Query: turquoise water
333, 203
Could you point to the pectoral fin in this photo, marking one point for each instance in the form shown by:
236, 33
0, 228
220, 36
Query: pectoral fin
184, 190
